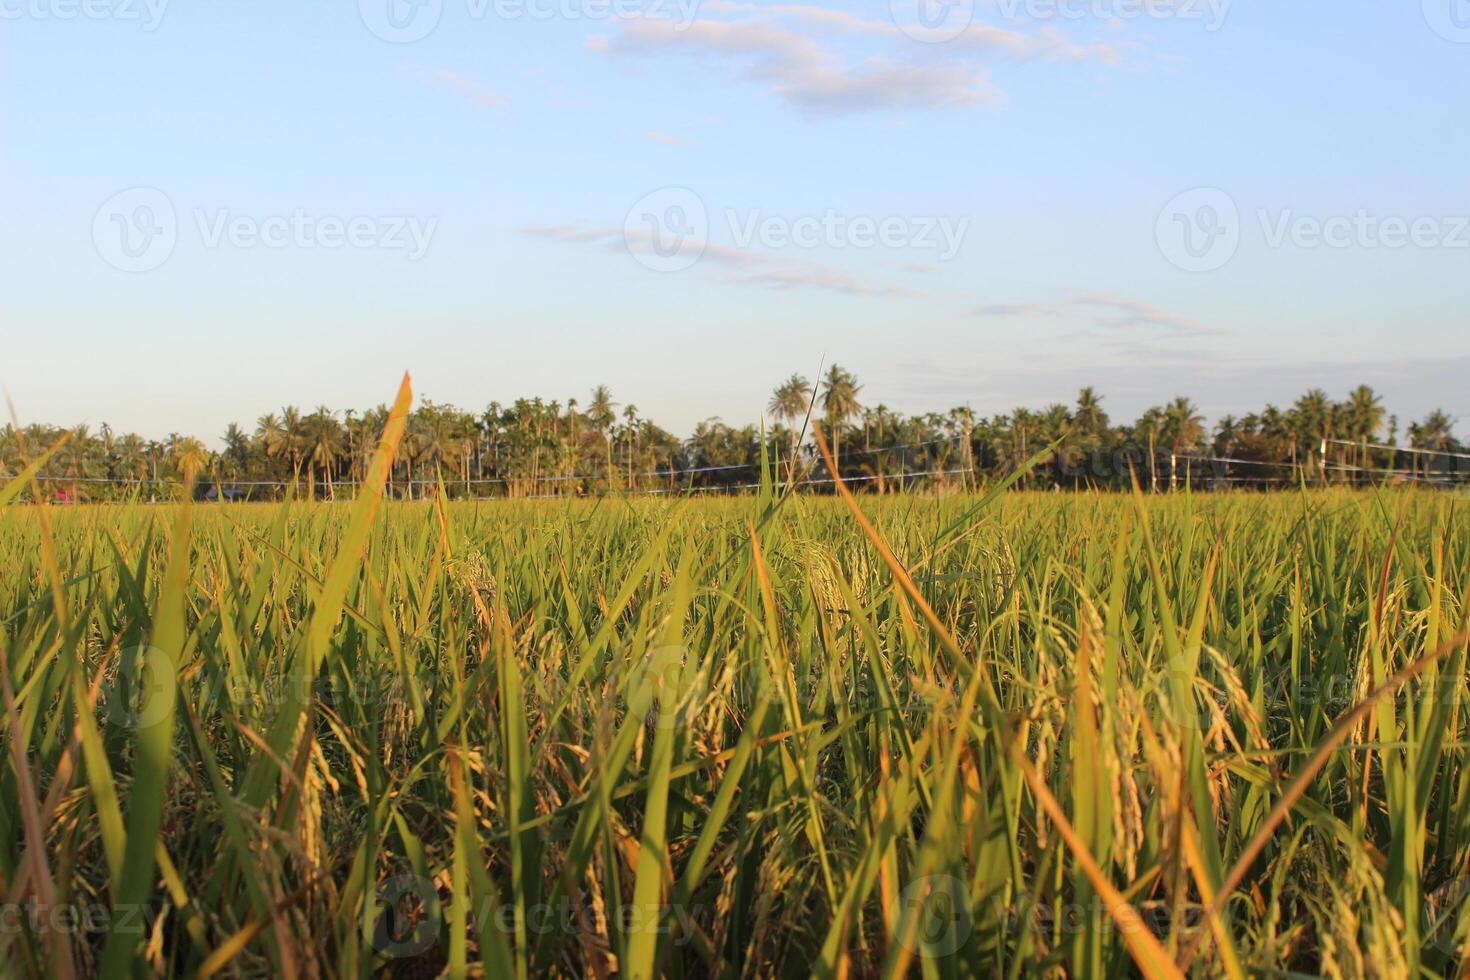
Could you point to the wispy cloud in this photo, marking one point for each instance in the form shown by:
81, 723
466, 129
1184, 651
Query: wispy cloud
734, 266
801, 71
466, 88
1047, 44
1103, 310
667, 140
826, 61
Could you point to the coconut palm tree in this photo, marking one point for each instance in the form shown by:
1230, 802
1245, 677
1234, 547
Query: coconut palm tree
1433, 433
323, 442
1365, 415
295, 441
602, 413
187, 456
962, 420
839, 403
271, 435
236, 456
790, 401
1149, 428
630, 438
1089, 417
1312, 415
130, 457
1183, 428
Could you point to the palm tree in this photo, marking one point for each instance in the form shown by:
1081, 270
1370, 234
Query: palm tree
790, 401
1227, 435
295, 441
188, 456
271, 434
630, 433
1433, 433
1312, 415
1280, 434
602, 415
885, 427
839, 403
963, 419
1056, 427
130, 457
1022, 428
322, 437
1149, 426
1184, 427
237, 448
1089, 418
1365, 417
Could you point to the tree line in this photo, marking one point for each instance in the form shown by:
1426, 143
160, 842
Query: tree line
534, 447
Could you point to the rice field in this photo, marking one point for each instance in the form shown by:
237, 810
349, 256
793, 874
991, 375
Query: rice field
1003, 735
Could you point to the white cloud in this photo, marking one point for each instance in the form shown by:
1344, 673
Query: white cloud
736, 266
465, 87
826, 61
1102, 310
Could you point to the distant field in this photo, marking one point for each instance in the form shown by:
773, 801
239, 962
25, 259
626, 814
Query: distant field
727, 737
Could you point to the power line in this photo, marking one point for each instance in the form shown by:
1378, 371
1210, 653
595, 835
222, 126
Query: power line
1337, 466
483, 481
1402, 449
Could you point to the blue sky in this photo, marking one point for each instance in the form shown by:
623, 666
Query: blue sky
214, 209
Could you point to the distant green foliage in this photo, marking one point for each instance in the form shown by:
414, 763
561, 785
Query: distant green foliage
538, 448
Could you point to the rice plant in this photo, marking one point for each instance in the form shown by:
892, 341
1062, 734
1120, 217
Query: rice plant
1002, 734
